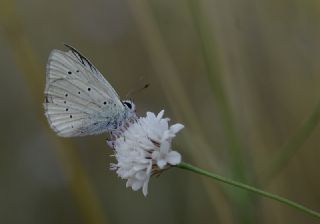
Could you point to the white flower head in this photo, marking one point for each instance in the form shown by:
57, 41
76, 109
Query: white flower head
144, 149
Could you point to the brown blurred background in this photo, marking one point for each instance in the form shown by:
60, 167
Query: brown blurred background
243, 76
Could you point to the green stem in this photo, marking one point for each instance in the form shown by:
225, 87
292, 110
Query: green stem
282, 200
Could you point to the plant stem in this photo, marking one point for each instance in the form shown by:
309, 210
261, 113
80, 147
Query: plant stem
237, 184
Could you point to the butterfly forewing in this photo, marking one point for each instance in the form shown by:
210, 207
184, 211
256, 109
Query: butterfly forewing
90, 68
78, 99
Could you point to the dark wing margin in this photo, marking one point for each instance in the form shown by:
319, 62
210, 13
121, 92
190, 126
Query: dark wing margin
82, 59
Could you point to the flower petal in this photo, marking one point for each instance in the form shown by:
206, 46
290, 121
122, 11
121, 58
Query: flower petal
137, 184
161, 163
176, 127
145, 187
160, 114
165, 147
173, 158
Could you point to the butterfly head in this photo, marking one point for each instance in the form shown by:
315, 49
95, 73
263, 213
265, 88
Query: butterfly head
130, 107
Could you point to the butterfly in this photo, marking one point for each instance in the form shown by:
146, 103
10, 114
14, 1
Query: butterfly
79, 101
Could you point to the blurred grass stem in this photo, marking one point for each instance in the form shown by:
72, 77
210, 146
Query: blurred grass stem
72, 167
212, 65
292, 146
176, 94
211, 61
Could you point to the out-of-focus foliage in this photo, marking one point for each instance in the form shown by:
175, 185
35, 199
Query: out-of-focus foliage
243, 76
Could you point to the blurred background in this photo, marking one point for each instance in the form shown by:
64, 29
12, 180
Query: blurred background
242, 76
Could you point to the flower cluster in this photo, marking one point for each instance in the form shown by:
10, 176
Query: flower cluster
144, 149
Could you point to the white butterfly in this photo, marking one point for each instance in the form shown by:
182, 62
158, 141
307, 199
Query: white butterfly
79, 100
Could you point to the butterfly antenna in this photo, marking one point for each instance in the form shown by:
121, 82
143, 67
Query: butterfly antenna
135, 91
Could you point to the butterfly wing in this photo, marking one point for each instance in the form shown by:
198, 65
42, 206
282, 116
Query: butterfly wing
78, 99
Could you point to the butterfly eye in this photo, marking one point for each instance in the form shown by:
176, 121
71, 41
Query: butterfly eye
128, 104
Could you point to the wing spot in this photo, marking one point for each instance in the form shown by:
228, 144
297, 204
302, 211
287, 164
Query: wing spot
77, 71
104, 102
67, 109
71, 126
89, 89
70, 116
79, 92
69, 72
66, 95
64, 102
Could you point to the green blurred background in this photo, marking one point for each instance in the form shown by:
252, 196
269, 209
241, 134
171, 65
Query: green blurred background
243, 76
